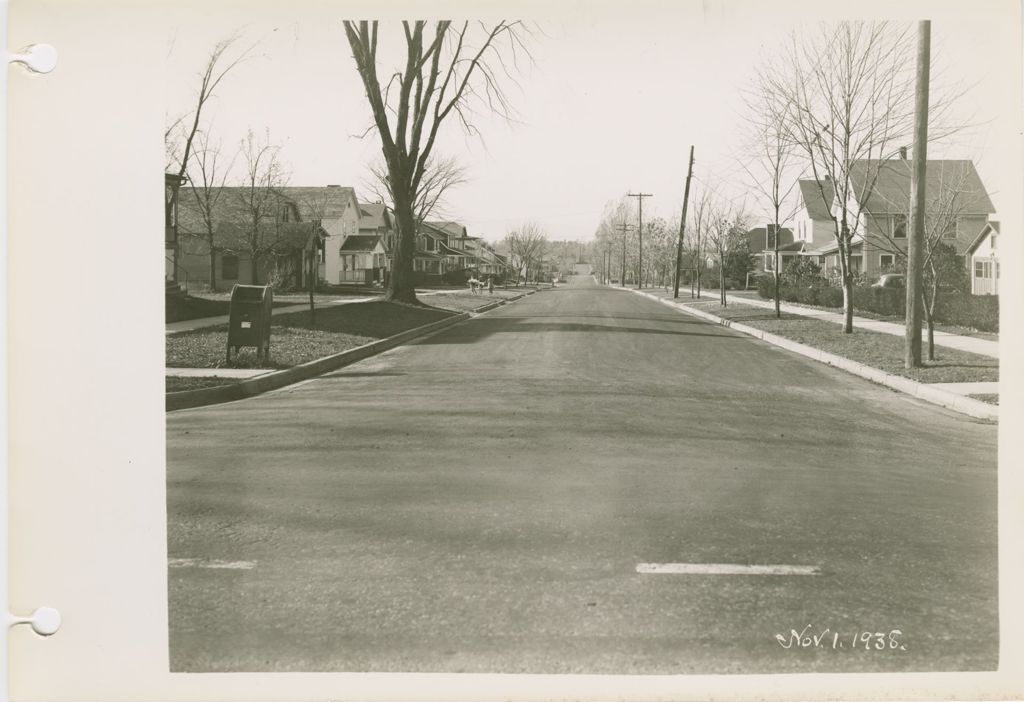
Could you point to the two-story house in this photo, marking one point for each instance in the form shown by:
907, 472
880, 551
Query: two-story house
957, 208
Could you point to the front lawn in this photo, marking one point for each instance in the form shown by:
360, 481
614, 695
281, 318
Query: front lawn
294, 340
882, 351
179, 308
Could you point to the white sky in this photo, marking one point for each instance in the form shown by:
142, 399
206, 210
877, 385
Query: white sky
614, 99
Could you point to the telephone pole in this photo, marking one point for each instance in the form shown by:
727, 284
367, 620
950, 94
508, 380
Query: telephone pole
640, 230
912, 347
682, 226
624, 228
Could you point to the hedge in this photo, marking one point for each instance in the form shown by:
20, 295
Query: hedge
979, 312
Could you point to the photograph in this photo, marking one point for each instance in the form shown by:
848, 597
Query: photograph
654, 342
515, 350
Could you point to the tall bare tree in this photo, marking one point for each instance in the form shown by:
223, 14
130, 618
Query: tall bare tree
180, 133
448, 71
845, 93
258, 199
769, 161
701, 214
207, 177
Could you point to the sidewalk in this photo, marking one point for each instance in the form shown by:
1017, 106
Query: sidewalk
203, 322
971, 344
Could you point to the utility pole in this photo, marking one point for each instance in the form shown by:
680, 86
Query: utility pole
640, 230
912, 347
624, 228
682, 226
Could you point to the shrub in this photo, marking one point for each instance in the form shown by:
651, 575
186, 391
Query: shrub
979, 312
884, 301
802, 271
829, 296
766, 287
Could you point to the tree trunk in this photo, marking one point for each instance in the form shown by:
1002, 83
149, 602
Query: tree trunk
402, 287
213, 267
721, 280
846, 276
778, 305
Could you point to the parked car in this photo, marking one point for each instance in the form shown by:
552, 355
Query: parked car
891, 280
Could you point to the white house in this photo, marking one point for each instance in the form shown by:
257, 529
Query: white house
984, 261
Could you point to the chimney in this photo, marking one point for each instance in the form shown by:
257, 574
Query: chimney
903, 153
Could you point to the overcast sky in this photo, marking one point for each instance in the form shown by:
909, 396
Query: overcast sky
611, 102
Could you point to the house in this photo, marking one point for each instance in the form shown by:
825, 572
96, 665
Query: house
956, 204
983, 257
761, 241
172, 188
333, 208
953, 191
363, 260
284, 263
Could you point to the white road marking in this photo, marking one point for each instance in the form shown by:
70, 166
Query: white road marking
199, 563
726, 569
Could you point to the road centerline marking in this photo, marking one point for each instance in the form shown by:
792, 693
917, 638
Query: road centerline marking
213, 564
725, 569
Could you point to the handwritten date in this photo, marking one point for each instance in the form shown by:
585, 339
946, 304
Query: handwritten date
890, 640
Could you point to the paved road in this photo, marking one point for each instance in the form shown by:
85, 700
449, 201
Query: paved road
479, 501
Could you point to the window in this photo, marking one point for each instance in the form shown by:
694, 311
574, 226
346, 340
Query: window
899, 226
992, 243
982, 269
885, 262
430, 243
229, 267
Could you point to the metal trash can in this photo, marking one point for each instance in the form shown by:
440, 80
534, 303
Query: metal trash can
249, 323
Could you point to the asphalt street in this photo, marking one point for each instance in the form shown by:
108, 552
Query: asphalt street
480, 500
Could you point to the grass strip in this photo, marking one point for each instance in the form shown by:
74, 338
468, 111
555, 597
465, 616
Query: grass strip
295, 340
882, 351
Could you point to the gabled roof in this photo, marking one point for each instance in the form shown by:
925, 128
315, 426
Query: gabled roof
360, 242
989, 228
449, 228
814, 198
374, 215
278, 236
758, 237
452, 252
307, 203
944, 179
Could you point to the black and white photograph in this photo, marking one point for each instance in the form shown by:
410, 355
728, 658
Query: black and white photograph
653, 342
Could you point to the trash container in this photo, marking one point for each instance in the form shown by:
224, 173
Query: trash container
249, 323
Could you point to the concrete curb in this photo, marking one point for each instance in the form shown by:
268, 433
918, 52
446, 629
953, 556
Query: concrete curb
279, 379
958, 403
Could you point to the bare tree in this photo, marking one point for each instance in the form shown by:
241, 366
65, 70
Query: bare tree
259, 198
951, 192
846, 97
207, 177
725, 228
181, 132
446, 71
441, 175
527, 246
697, 236
768, 159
